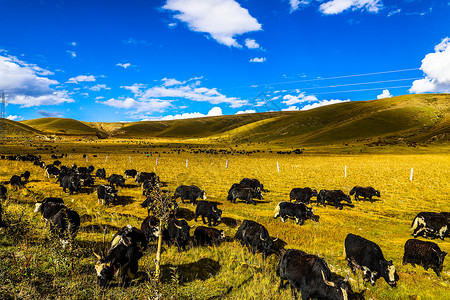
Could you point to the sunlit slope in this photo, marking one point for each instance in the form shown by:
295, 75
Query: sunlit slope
61, 126
16, 129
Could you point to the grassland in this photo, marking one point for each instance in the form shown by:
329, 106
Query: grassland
34, 266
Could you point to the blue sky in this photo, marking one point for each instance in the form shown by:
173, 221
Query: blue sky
137, 60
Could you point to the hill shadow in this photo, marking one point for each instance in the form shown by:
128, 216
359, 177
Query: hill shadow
199, 270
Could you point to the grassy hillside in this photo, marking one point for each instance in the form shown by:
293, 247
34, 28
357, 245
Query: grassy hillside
61, 126
17, 129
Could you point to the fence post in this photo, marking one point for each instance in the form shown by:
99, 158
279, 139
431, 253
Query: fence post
106, 158
278, 167
186, 162
226, 165
156, 161
130, 159
411, 176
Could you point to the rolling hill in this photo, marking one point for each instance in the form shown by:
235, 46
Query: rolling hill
397, 120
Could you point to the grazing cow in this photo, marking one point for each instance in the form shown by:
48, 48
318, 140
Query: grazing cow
298, 211
430, 225
367, 256
86, 179
143, 176
65, 224
117, 180
25, 176
3, 192
246, 194
107, 194
310, 275
176, 232
426, 254
127, 247
333, 196
190, 193
253, 183
16, 181
100, 173
71, 182
150, 227
51, 170
302, 194
365, 192
205, 236
131, 173
56, 163
49, 207
209, 211
255, 236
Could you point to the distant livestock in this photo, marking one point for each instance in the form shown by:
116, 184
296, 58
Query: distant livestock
244, 193
65, 224
367, 256
310, 275
430, 225
365, 192
116, 180
16, 181
72, 183
130, 173
426, 254
51, 170
206, 236
191, 193
143, 176
298, 211
26, 176
100, 173
334, 197
208, 210
127, 247
253, 183
255, 236
302, 194
107, 194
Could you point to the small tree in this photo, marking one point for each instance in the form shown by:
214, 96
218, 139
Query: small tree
162, 208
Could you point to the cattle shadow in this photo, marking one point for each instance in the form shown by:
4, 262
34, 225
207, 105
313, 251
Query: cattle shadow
185, 213
199, 270
230, 222
124, 200
99, 228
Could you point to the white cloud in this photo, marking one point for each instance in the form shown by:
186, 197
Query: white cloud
73, 44
295, 4
323, 103
258, 60
248, 111
14, 118
81, 78
72, 53
223, 20
25, 85
436, 67
140, 105
291, 108
215, 111
125, 65
290, 99
99, 87
394, 12
384, 94
251, 44
337, 6
99, 98
171, 82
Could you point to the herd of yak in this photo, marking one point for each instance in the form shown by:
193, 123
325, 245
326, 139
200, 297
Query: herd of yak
304, 272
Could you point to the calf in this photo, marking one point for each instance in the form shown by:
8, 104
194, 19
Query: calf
302, 194
107, 194
190, 193
246, 194
310, 275
205, 236
100, 173
150, 227
130, 173
65, 224
426, 254
333, 196
209, 211
117, 180
255, 236
298, 211
430, 225
127, 247
365, 192
367, 256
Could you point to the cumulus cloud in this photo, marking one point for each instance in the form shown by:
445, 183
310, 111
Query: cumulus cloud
436, 67
215, 111
291, 108
300, 98
258, 59
171, 82
247, 111
323, 103
81, 78
337, 6
223, 20
296, 4
25, 84
384, 94
140, 105
125, 65
251, 44
14, 118
99, 87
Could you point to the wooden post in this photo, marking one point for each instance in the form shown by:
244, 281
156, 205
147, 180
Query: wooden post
186, 162
156, 161
278, 167
226, 165
106, 158
411, 176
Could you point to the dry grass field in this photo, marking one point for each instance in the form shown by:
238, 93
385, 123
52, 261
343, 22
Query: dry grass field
34, 266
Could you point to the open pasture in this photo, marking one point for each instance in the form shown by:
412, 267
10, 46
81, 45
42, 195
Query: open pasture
39, 268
